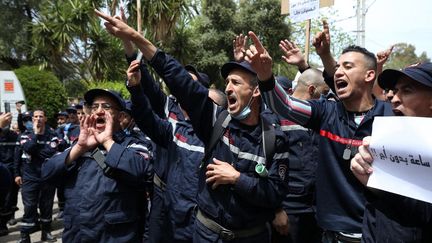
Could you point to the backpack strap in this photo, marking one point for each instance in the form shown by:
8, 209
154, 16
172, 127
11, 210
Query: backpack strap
269, 138
219, 127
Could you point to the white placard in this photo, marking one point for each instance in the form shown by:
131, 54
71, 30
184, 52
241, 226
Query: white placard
402, 151
301, 10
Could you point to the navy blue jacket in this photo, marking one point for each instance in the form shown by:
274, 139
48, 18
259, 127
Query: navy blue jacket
185, 152
8, 144
303, 162
340, 197
253, 199
99, 208
67, 135
32, 152
393, 218
163, 107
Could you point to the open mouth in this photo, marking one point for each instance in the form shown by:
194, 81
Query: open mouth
398, 112
232, 100
341, 84
100, 120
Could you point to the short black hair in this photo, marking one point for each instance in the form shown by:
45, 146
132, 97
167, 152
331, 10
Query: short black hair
370, 57
39, 109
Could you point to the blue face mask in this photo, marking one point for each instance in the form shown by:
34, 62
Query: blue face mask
29, 125
245, 112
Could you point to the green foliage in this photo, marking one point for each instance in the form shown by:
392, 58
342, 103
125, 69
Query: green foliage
75, 88
118, 86
15, 32
404, 55
42, 89
264, 18
213, 32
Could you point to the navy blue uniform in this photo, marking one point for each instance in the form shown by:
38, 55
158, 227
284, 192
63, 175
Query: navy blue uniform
99, 208
340, 197
185, 152
67, 134
252, 201
34, 150
160, 226
393, 218
300, 203
8, 144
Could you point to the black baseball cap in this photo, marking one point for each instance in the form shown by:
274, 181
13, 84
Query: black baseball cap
421, 73
229, 66
71, 110
61, 113
284, 82
202, 77
90, 95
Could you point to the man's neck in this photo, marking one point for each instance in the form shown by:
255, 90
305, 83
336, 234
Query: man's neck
365, 103
253, 118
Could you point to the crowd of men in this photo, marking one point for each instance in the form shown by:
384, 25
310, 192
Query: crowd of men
262, 161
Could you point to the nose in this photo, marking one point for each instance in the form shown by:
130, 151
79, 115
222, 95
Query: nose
338, 73
228, 89
396, 99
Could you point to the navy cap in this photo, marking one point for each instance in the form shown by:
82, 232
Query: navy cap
202, 77
229, 66
284, 82
61, 113
27, 114
421, 73
128, 106
90, 95
71, 110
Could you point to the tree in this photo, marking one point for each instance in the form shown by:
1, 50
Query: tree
15, 45
69, 39
118, 86
42, 89
213, 32
404, 55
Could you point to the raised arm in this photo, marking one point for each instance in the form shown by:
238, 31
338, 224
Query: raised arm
239, 47
274, 95
382, 58
159, 130
321, 42
292, 55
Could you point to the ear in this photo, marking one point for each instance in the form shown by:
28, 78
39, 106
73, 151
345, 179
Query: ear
370, 76
256, 92
311, 90
121, 116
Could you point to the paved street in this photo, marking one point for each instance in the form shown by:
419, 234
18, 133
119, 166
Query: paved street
14, 233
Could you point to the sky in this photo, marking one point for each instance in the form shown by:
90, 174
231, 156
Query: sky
389, 22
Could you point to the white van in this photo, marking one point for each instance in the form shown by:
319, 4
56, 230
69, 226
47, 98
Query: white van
10, 93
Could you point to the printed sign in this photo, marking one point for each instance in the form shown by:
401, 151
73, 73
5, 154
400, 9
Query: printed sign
402, 151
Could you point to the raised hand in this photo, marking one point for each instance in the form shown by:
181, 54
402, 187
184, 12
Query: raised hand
134, 73
86, 138
321, 41
239, 47
383, 56
259, 58
106, 136
361, 163
292, 54
116, 26
5, 119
